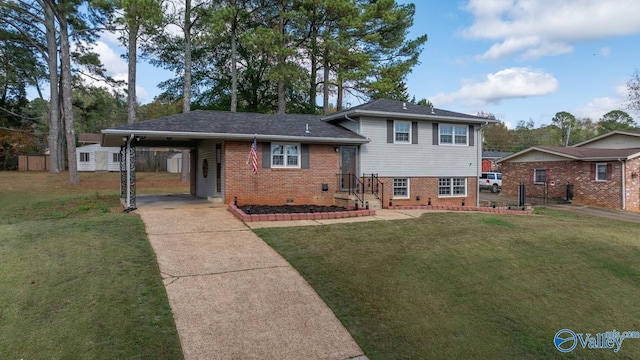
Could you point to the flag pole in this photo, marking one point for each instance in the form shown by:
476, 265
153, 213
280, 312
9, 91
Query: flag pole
249, 157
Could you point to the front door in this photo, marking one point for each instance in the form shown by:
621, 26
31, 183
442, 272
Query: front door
348, 167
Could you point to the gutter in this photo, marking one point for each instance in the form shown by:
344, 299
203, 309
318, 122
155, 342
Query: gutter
398, 115
222, 136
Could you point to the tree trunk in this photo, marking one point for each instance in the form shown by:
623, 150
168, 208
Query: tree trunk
314, 69
67, 106
234, 65
186, 89
133, 59
54, 105
339, 98
325, 87
282, 105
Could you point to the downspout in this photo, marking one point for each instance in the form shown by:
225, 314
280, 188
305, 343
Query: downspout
350, 119
624, 184
128, 165
479, 159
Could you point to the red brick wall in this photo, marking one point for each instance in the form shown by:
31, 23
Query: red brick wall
275, 186
585, 191
632, 185
427, 187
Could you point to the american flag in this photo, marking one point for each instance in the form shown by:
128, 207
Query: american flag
254, 155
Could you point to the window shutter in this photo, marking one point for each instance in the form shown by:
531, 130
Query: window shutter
593, 171
532, 176
609, 171
472, 136
304, 156
266, 155
436, 134
414, 132
547, 175
390, 131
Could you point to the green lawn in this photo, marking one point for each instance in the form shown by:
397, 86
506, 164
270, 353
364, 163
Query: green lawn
472, 285
78, 276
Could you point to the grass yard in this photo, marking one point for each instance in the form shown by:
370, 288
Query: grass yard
472, 285
78, 277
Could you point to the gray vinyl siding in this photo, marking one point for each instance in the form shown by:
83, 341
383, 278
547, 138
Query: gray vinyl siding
351, 125
206, 187
421, 159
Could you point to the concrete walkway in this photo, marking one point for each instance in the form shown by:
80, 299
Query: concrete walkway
232, 296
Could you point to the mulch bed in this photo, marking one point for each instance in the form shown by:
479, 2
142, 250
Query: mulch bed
288, 209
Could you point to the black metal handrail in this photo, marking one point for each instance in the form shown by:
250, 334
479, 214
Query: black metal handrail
375, 186
353, 185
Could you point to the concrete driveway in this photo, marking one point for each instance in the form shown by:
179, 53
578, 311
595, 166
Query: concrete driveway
232, 296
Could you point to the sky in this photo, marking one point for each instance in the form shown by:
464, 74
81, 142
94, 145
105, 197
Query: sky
517, 59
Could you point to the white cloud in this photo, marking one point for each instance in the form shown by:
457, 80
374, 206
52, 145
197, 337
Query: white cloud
597, 107
110, 37
535, 28
505, 84
142, 95
113, 63
605, 52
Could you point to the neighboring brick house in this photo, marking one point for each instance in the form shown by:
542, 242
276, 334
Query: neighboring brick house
405, 153
599, 172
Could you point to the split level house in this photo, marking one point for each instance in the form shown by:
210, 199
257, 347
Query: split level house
601, 172
378, 154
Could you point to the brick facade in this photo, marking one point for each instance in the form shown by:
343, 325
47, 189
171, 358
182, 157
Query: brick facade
632, 185
427, 188
280, 186
606, 194
304, 186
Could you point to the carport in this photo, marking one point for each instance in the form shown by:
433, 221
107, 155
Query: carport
128, 140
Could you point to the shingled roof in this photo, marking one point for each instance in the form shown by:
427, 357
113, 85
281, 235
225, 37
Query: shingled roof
398, 110
580, 153
201, 124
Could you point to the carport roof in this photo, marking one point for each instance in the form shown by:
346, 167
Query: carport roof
224, 125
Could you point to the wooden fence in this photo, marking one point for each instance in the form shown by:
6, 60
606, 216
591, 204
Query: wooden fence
33, 162
146, 161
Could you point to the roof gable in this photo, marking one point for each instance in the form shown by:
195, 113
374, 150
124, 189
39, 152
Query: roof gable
608, 135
